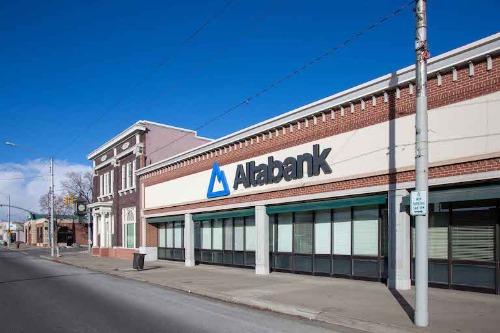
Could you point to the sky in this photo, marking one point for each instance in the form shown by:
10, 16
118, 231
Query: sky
74, 74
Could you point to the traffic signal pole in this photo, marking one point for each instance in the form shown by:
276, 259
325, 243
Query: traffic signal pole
421, 167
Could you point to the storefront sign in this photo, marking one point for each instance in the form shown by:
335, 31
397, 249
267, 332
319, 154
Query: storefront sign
275, 171
418, 203
219, 176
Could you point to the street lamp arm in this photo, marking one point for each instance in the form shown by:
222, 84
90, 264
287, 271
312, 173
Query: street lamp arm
20, 208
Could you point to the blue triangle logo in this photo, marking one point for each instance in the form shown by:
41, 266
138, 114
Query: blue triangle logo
217, 174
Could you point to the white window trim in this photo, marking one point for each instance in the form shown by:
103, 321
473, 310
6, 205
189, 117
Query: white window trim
124, 228
106, 185
128, 178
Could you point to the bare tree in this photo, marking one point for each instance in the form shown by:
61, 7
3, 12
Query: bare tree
59, 207
60, 211
79, 184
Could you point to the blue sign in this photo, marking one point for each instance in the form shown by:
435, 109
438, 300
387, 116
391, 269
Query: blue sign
217, 174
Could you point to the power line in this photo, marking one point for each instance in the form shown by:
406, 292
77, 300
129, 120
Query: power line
294, 73
27, 177
153, 70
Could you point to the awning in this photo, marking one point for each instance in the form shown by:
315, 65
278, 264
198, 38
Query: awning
462, 194
224, 214
163, 219
329, 204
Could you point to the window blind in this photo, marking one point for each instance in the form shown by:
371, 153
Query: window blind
342, 231
161, 236
473, 242
178, 235
250, 234
206, 236
303, 232
238, 234
217, 234
285, 232
322, 232
365, 223
170, 235
228, 234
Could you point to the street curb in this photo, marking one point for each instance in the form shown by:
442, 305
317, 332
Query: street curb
298, 313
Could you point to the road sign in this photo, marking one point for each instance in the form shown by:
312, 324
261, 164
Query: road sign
418, 203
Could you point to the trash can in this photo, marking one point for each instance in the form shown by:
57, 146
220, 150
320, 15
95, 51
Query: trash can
138, 262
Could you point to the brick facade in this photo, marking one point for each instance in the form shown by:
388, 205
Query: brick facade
465, 87
131, 145
330, 123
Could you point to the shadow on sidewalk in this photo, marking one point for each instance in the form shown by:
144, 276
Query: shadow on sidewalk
410, 312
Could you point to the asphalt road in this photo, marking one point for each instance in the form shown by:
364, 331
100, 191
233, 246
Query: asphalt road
37, 295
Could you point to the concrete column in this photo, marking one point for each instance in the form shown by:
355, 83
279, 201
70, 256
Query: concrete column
95, 220
261, 241
189, 240
399, 241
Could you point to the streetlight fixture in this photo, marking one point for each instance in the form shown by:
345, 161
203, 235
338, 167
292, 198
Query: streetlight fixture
51, 195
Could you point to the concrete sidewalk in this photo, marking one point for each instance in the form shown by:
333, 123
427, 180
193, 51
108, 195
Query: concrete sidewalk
360, 305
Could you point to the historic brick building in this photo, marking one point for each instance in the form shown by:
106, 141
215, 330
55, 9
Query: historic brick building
323, 189
116, 198
69, 229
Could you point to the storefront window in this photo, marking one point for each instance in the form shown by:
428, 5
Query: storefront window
197, 235
178, 235
238, 234
250, 233
170, 235
439, 218
228, 234
285, 232
206, 235
365, 223
161, 235
303, 232
473, 231
217, 234
342, 231
130, 235
271, 233
322, 232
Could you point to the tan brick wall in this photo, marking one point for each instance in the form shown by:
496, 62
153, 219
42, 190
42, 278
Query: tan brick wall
151, 235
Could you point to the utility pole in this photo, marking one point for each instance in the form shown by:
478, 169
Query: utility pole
8, 230
51, 226
89, 220
421, 167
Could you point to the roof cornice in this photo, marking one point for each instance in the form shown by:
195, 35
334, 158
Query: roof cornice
137, 127
489, 45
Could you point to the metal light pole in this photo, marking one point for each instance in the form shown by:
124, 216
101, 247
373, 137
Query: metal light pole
51, 225
51, 195
421, 167
8, 230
